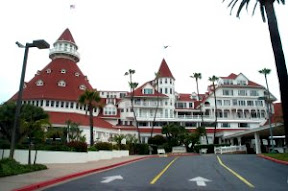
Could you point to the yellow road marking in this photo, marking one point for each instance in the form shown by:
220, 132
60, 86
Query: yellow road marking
234, 173
162, 172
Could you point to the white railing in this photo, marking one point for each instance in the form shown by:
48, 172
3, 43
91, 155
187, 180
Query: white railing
230, 149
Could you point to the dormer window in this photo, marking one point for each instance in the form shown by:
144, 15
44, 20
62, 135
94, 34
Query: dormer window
241, 82
77, 74
39, 83
63, 71
62, 83
38, 72
82, 87
48, 71
148, 91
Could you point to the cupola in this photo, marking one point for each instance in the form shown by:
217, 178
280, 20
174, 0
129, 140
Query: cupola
65, 47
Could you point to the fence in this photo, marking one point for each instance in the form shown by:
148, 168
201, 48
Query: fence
230, 149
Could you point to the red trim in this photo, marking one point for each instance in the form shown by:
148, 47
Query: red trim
274, 160
67, 177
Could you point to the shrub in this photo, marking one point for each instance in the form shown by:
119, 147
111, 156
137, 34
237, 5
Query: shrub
103, 146
157, 140
11, 167
77, 146
140, 149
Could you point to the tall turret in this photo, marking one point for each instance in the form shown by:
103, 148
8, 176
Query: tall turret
166, 86
65, 47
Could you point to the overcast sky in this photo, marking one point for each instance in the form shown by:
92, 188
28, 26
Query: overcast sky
114, 36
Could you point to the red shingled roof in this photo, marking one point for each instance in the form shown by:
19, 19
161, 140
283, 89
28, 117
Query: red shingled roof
50, 88
67, 36
60, 118
139, 92
164, 70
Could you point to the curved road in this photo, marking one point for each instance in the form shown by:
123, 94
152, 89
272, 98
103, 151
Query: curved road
205, 172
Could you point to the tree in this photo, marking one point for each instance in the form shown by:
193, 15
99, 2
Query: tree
133, 86
265, 72
91, 99
267, 10
157, 75
118, 139
213, 79
197, 77
33, 121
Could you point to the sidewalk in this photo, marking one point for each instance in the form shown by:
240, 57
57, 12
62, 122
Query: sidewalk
57, 173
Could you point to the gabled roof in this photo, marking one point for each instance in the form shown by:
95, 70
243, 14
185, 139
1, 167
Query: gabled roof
164, 70
233, 76
50, 88
139, 92
67, 36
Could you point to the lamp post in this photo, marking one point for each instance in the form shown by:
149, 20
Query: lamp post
41, 44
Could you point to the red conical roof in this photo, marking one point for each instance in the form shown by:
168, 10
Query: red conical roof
164, 70
51, 75
67, 36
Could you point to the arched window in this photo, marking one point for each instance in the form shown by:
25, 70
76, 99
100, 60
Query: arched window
62, 83
77, 74
82, 87
63, 71
39, 83
48, 71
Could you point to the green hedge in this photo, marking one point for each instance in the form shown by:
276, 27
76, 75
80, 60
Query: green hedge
10, 167
103, 146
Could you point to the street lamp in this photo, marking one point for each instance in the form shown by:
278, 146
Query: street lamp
267, 101
41, 44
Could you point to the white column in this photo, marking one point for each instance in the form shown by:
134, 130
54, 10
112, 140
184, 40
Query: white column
239, 140
257, 143
232, 141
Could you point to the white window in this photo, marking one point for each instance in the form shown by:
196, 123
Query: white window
241, 82
148, 91
258, 103
77, 74
48, 71
63, 71
228, 92
242, 92
226, 102
62, 83
254, 93
227, 82
241, 102
234, 101
250, 103
39, 83
82, 87
219, 102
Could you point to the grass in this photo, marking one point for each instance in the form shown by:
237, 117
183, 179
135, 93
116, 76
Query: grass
279, 156
10, 167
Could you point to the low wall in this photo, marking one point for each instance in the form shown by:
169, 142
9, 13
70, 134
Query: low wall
230, 149
46, 157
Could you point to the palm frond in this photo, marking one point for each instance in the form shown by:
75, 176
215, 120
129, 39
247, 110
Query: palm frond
242, 4
262, 10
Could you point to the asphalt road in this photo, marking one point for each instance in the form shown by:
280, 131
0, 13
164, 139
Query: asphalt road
206, 172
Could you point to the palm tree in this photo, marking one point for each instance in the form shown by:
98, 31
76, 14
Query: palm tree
267, 9
90, 98
198, 76
157, 75
133, 86
213, 79
267, 71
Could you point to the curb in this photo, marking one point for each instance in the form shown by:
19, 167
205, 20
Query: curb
74, 175
273, 159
